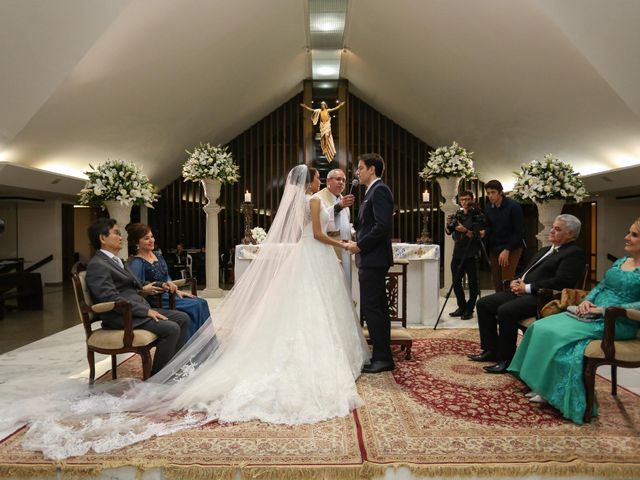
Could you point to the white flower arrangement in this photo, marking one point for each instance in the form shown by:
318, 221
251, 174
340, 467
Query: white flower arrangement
448, 162
117, 180
548, 179
207, 161
258, 234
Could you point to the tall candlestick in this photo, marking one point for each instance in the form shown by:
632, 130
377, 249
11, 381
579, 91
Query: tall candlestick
247, 197
247, 210
425, 237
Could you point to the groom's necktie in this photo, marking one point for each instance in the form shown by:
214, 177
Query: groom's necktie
550, 252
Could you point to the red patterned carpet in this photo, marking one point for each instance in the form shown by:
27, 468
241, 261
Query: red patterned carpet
438, 415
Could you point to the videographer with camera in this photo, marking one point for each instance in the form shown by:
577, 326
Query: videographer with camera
466, 227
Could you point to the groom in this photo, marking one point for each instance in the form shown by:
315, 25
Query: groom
374, 256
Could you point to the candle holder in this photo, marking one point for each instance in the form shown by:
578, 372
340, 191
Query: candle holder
247, 210
425, 236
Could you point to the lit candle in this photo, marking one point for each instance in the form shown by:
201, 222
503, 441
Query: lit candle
247, 197
425, 196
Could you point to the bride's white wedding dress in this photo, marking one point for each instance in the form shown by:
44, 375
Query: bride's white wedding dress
299, 355
289, 349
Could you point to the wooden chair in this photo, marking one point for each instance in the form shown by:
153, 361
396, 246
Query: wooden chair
110, 342
189, 270
617, 353
396, 284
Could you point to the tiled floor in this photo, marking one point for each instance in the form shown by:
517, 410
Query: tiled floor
19, 328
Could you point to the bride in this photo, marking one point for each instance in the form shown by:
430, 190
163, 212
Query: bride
285, 346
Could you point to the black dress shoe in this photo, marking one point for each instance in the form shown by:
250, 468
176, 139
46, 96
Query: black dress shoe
485, 356
467, 315
456, 313
378, 366
500, 367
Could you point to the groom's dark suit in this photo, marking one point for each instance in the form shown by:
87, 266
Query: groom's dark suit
373, 235
558, 270
110, 282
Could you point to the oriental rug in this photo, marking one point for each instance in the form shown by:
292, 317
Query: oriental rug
437, 415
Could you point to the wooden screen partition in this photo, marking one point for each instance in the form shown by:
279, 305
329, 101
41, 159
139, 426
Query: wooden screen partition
404, 155
265, 153
271, 147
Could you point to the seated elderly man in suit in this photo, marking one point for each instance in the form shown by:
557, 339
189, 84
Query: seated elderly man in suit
557, 266
109, 280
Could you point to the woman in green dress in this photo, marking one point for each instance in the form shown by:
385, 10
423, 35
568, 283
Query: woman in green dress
550, 356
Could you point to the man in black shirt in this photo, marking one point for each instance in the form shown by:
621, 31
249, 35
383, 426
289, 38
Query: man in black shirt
505, 231
466, 227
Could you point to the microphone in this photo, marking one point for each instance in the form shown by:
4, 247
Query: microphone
354, 183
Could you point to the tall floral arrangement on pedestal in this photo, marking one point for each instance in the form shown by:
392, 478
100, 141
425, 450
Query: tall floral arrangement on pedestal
540, 181
119, 181
209, 162
449, 162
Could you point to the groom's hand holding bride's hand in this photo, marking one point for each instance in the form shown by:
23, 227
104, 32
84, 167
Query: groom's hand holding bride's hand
352, 247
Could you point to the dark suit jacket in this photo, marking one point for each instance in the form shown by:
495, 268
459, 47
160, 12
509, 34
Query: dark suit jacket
375, 221
107, 282
561, 270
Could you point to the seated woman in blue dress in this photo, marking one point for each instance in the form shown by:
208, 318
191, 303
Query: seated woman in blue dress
551, 355
149, 266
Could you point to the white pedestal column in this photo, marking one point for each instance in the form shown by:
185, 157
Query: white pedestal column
212, 262
122, 215
547, 213
449, 190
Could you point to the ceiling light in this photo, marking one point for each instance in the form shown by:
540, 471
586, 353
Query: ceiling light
327, 71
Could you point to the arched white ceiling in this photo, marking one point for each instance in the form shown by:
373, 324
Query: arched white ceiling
503, 77
162, 77
141, 80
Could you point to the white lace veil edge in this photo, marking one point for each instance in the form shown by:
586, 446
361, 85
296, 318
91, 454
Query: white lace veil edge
71, 419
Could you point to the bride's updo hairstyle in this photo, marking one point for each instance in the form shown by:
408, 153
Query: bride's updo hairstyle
311, 174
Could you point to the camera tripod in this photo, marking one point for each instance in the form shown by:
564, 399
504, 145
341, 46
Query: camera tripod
458, 275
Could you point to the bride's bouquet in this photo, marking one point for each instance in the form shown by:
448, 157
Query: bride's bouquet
448, 162
548, 179
209, 162
117, 180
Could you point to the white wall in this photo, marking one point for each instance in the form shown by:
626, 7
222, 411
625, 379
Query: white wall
81, 221
40, 235
9, 239
614, 219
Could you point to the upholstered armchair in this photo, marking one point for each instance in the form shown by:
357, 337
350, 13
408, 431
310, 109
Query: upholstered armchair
617, 353
110, 342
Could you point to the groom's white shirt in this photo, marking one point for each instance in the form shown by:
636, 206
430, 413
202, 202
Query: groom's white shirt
340, 222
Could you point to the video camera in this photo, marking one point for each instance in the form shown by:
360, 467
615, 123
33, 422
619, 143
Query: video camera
473, 212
